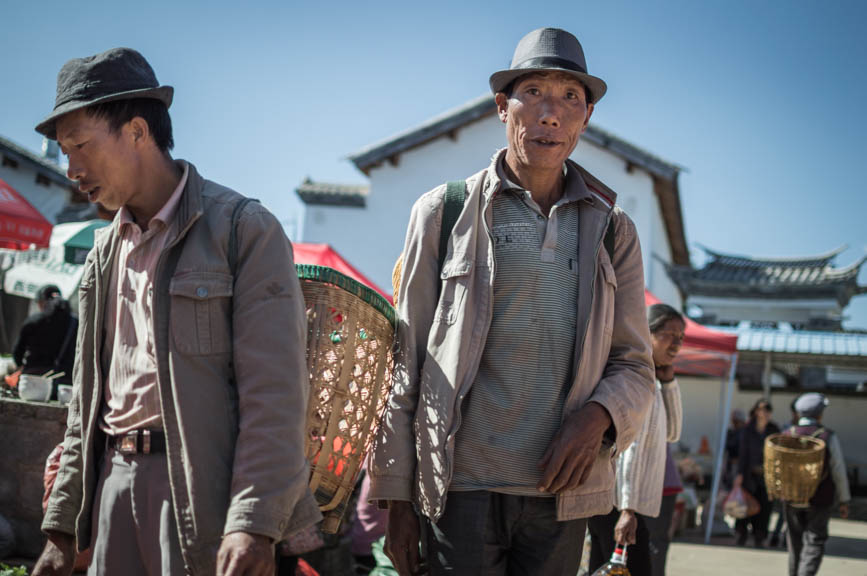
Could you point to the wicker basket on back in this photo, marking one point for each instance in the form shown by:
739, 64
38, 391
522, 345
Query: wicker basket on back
793, 467
350, 333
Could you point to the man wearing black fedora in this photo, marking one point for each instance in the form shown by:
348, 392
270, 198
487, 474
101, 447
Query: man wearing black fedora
184, 447
525, 360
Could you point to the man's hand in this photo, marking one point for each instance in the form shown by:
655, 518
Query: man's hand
570, 456
58, 556
665, 373
402, 538
243, 554
844, 510
626, 528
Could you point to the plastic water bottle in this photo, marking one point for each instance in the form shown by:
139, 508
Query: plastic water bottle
616, 566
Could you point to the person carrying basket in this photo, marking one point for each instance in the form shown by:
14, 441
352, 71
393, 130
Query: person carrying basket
808, 525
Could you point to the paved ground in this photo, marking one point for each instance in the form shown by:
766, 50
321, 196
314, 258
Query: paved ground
845, 554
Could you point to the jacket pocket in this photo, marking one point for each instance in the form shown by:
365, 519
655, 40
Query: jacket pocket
454, 280
201, 312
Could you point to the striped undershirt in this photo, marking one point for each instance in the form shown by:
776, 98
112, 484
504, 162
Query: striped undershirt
514, 407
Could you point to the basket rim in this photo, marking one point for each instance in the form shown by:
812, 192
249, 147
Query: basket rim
326, 275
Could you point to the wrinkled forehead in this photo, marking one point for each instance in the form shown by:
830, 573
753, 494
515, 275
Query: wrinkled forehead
75, 124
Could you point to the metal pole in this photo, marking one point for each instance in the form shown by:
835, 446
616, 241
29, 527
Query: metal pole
717, 472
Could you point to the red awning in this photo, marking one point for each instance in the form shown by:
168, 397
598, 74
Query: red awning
325, 255
704, 351
20, 223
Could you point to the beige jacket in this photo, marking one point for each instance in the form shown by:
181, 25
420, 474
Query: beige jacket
235, 449
442, 339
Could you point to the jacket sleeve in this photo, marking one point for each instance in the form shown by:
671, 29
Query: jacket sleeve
629, 466
21, 345
64, 503
626, 388
838, 470
393, 461
270, 472
673, 410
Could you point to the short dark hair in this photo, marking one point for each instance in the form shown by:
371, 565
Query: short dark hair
154, 112
659, 314
509, 88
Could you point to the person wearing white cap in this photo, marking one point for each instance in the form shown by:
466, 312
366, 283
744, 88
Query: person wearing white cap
808, 525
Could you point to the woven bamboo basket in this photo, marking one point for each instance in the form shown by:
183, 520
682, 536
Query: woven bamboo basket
350, 334
793, 467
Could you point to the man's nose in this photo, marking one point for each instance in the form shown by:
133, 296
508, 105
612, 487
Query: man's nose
74, 171
550, 113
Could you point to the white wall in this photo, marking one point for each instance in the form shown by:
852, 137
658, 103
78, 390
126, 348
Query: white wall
372, 238
48, 200
702, 400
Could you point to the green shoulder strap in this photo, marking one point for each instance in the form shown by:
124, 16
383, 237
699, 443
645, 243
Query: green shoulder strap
453, 204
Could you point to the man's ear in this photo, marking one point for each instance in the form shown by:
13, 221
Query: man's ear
138, 130
590, 108
502, 106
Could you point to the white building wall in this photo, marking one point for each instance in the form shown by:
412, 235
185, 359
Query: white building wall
372, 238
702, 398
48, 200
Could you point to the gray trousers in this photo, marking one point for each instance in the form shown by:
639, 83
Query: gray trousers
486, 533
134, 530
808, 532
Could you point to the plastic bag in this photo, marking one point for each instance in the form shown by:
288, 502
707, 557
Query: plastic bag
753, 506
735, 504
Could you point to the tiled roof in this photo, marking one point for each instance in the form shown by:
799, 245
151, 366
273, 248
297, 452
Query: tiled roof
727, 275
42, 165
801, 342
330, 194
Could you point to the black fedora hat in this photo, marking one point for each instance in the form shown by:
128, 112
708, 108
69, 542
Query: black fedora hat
116, 74
549, 50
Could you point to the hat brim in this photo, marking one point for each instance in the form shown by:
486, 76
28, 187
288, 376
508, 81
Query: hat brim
596, 86
48, 127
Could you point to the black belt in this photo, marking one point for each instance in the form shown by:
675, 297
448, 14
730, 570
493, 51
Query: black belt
139, 442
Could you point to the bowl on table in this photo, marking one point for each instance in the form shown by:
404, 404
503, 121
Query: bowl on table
64, 393
34, 388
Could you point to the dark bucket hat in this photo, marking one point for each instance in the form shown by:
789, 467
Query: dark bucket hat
549, 50
116, 74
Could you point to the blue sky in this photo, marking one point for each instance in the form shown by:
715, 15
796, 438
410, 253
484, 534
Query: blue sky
762, 102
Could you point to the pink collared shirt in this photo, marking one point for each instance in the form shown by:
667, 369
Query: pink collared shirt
128, 355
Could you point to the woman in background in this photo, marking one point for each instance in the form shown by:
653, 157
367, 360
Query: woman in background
751, 458
641, 468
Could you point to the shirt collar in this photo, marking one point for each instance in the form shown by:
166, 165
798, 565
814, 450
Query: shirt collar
575, 187
166, 213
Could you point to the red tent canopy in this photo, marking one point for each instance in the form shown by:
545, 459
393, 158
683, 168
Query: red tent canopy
325, 255
20, 223
704, 351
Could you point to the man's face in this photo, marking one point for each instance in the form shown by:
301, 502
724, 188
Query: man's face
101, 161
545, 115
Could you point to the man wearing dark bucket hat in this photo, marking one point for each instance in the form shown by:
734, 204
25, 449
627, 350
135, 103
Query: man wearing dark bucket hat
525, 363
184, 446
808, 525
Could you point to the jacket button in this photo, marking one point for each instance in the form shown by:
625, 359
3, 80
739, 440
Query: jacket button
201, 291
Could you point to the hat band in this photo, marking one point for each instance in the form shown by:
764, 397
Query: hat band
550, 62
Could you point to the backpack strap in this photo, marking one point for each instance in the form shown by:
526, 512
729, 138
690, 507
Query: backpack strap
453, 204
608, 241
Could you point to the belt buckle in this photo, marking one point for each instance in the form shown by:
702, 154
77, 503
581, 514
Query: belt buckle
128, 444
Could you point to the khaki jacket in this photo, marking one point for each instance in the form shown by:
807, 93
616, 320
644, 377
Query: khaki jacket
235, 450
442, 340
